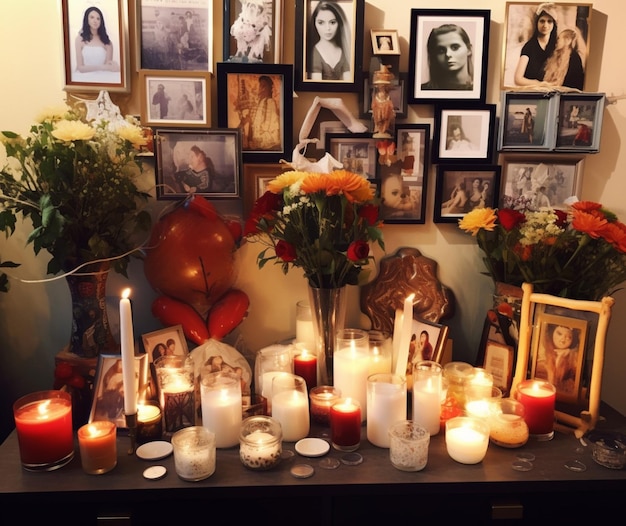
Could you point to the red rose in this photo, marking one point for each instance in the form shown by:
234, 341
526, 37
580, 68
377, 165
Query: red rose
510, 218
358, 250
369, 213
252, 225
285, 251
268, 202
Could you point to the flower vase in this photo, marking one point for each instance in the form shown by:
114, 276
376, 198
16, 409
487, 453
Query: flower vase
328, 310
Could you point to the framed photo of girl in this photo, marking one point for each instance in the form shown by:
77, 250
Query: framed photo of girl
580, 122
464, 134
448, 51
258, 100
95, 41
546, 45
329, 46
528, 121
175, 35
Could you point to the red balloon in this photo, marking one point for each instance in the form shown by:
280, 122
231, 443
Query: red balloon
172, 312
191, 256
227, 313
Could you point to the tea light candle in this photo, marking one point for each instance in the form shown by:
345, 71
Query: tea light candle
260, 443
481, 381
345, 424
467, 439
321, 398
149, 425
97, 442
305, 365
427, 395
538, 398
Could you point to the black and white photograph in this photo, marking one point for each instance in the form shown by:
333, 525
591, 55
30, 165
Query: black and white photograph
385, 42
448, 55
206, 163
96, 45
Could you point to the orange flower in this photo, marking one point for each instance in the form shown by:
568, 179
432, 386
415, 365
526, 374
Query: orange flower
590, 223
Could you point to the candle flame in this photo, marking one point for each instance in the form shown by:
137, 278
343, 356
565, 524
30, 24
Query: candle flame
126, 293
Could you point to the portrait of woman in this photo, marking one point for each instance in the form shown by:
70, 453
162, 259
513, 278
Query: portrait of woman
450, 60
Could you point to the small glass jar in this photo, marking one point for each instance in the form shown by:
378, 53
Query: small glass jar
260, 442
458, 374
322, 398
507, 427
194, 453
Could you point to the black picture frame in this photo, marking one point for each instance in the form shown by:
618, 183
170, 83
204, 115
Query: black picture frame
266, 46
464, 134
453, 179
474, 27
238, 88
352, 14
397, 93
413, 151
356, 151
172, 153
580, 122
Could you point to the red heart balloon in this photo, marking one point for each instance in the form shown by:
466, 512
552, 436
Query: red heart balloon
227, 313
173, 312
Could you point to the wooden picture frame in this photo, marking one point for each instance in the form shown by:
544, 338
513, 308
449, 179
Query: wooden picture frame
521, 19
340, 77
426, 83
459, 190
258, 100
108, 393
522, 175
580, 122
255, 179
265, 43
356, 151
385, 42
95, 67
183, 96
528, 121
175, 35
177, 152
170, 340
397, 93
464, 134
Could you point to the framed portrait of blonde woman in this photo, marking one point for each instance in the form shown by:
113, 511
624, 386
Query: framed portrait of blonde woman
546, 45
95, 43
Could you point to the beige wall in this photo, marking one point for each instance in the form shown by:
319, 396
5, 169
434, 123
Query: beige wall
34, 318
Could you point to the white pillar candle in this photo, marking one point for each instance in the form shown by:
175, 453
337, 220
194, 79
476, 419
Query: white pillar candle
222, 407
291, 409
427, 395
351, 368
402, 355
127, 344
386, 405
467, 439
304, 322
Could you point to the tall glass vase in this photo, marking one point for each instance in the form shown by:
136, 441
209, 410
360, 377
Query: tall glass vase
328, 310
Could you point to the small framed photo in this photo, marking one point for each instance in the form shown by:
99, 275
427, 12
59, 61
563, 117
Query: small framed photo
431, 79
535, 181
168, 341
258, 100
323, 63
253, 31
108, 394
402, 198
255, 179
170, 98
458, 191
558, 354
96, 64
428, 341
385, 42
175, 35
528, 121
356, 151
397, 93
580, 122
568, 30
499, 362
413, 147
464, 134
205, 162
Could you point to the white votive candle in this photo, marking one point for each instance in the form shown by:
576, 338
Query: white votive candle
467, 439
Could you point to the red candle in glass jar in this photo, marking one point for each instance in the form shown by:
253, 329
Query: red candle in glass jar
345, 424
305, 365
538, 398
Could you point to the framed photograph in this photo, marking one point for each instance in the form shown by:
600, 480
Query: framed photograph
464, 134
402, 198
413, 147
108, 394
356, 151
580, 122
397, 93
560, 59
498, 362
94, 63
168, 341
175, 35
528, 121
171, 98
253, 31
385, 42
205, 162
325, 62
428, 341
536, 180
436, 32
458, 191
558, 354
255, 179
257, 99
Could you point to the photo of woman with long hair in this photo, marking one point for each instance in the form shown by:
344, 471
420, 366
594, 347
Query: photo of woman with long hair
450, 59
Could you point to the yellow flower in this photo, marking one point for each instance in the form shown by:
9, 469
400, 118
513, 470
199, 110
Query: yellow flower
133, 134
53, 113
73, 131
477, 219
285, 180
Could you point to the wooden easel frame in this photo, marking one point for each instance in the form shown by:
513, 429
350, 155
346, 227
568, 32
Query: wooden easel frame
588, 417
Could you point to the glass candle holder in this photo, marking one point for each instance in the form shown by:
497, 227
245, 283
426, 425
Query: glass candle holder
260, 442
386, 404
479, 399
345, 424
268, 362
43, 422
149, 422
305, 363
507, 427
175, 377
351, 365
97, 443
458, 374
290, 406
321, 398
220, 394
304, 322
427, 386
538, 398
194, 453
467, 439
408, 446
380, 350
